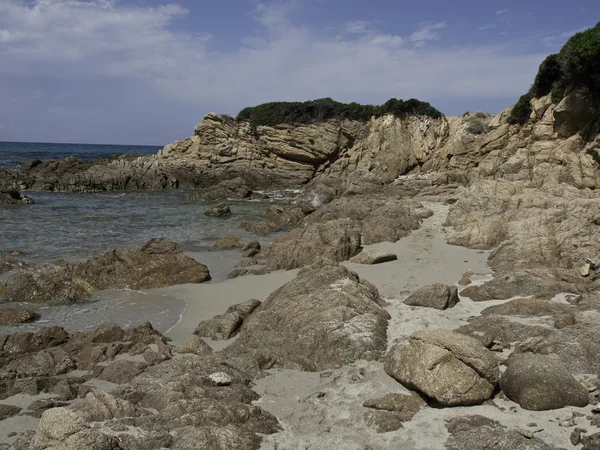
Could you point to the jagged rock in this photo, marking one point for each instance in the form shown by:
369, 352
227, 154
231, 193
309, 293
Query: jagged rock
540, 383
529, 307
438, 296
158, 263
481, 433
465, 371
336, 240
543, 283
573, 113
9, 264
9, 189
465, 280
218, 211
16, 316
491, 328
312, 323
390, 411
374, 256
225, 326
196, 345
285, 216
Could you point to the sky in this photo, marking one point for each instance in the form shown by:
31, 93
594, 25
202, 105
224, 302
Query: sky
146, 71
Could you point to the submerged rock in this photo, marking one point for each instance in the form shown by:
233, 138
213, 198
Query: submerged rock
449, 367
218, 211
15, 316
156, 264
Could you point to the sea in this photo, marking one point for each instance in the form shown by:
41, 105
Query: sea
74, 226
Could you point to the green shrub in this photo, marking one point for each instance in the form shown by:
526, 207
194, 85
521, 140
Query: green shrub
576, 66
549, 73
276, 113
521, 111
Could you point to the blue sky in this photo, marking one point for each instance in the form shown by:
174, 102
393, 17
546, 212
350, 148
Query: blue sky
146, 71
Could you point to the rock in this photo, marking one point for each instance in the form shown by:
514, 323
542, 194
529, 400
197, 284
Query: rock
585, 270
220, 379
251, 245
225, 326
57, 424
235, 188
449, 367
122, 371
259, 227
541, 383
218, 211
156, 264
374, 256
481, 433
313, 322
591, 442
390, 411
248, 271
16, 316
575, 437
438, 296
573, 113
196, 345
8, 264
529, 307
465, 280
336, 240
229, 242
7, 411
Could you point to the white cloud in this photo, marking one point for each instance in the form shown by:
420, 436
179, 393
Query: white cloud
87, 41
501, 12
489, 26
427, 32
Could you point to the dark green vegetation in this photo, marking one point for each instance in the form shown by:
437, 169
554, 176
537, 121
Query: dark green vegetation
276, 113
521, 111
576, 66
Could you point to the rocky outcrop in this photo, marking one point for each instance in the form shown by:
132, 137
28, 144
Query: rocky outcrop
438, 296
326, 317
335, 240
184, 401
15, 316
451, 368
157, 263
541, 382
9, 189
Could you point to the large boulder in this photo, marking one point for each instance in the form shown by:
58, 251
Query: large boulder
335, 240
449, 367
374, 256
156, 264
326, 317
15, 316
438, 296
539, 383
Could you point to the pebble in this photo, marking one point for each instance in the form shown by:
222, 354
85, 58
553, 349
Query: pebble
528, 434
220, 378
567, 423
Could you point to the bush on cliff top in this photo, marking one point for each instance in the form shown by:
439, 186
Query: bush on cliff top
576, 66
276, 113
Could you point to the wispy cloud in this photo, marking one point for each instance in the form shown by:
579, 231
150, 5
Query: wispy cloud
102, 49
560, 38
489, 26
427, 31
501, 12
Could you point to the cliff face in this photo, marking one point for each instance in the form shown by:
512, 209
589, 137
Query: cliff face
555, 146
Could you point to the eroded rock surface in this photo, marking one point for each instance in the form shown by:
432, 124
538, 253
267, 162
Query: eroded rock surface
158, 263
438, 296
